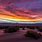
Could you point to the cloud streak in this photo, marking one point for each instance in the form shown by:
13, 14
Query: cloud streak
23, 11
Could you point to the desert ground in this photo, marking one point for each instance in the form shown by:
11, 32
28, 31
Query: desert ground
16, 37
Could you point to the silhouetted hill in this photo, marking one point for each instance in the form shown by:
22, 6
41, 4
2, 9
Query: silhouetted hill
20, 24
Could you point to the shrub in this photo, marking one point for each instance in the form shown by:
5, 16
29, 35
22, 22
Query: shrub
40, 29
10, 30
32, 34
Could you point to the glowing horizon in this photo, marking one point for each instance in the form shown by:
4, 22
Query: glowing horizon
10, 16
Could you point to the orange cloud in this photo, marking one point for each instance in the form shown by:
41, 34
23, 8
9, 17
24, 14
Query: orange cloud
15, 16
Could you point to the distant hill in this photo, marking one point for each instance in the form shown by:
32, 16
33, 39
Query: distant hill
20, 24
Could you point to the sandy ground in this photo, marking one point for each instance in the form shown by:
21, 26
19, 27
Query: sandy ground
16, 37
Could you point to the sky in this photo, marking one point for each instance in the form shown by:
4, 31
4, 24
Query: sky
21, 10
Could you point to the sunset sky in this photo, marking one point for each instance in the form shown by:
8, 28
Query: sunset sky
21, 10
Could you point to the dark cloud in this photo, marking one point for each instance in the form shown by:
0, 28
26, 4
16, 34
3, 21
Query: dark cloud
6, 2
11, 7
34, 5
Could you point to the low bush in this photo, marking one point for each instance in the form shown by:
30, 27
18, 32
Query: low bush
40, 29
32, 34
10, 30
